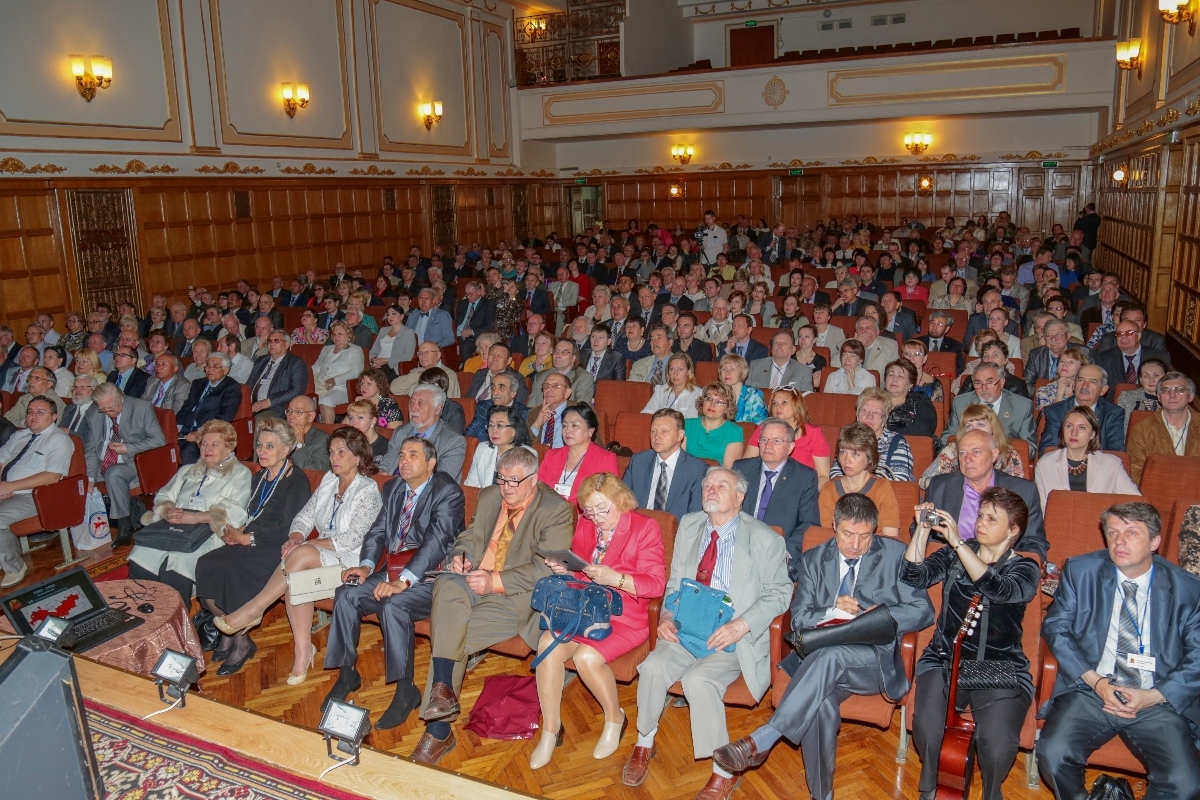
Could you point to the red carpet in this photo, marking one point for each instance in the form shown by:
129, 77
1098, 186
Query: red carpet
140, 760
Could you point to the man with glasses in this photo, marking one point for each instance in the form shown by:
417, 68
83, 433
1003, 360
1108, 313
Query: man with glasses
545, 420
1135, 313
1121, 363
277, 377
40, 383
215, 396
1015, 412
781, 369
312, 445
565, 359
1091, 384
124, 427
174, 389
504, 393
126, 376
496, 564
17, 379
424, 422
421, 516
498, 359
81, 414
1169, 432
429, 356
38, 455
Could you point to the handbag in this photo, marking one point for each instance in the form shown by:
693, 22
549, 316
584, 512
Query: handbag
871, 628
163, 535
507, 708
318, 583
981, 673
570, 607
698, 610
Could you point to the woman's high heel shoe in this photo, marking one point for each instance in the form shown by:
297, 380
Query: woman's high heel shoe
610, 737
224, 627
545, 749
296, 680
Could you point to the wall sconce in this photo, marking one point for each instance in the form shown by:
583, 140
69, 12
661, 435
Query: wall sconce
432, 112
1129, 55
917, 143
535, 28
91, 74
1119, 176
925, 184
682, 152
675, 190
294, 96
1173, 12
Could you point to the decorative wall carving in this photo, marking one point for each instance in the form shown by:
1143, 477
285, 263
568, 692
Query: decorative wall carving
795, 162
229, 168
509, 173
520, 209
133, 167
373, 170
724, 166
657, 170
869, 160
1169, 116
1032, 155
423, 171
308, 169
775, 92
543, 173
13, 166
947, 158
596, 172
103, 238
445, 231
471, 172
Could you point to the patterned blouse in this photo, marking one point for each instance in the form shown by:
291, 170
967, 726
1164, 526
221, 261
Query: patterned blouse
301, 336
750, 407
388, 412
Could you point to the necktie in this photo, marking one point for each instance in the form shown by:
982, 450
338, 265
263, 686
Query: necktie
506, 537
769, 475
776, 376
549, 431
121, 381
485, 393
935, 345
158, 397
1053, 366
1127, 638
848, 579
595, 367
24, 450
529, 298
410, 500
265, 381
186, 351
656, 374
708, 561
741, 350
660, 491
110, 455
1130, 370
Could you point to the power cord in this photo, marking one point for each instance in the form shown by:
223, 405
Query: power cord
335, 766
163, 710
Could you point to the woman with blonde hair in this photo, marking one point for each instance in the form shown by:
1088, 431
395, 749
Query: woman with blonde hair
88, 363
977, 417
336, 365
680, 391
542, 357
812, 449
1062, 386
734, 370
362, 416
624, 551
713, 434
599, 310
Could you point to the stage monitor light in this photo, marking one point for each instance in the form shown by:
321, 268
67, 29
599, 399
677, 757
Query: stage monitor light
177, 672
57, 631
348, 724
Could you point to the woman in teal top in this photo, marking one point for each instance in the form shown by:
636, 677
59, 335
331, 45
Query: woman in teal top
750, 406
713, 435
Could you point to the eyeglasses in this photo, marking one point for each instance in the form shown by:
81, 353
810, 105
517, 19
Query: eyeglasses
497, 426
512, 483
1171, 390
1126, 334
776, 441
871, 414
591, 512
716, 401
295, 412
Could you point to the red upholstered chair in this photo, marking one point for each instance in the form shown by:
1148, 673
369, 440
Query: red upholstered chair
155, 468
632, 430
922, 452
166, 421
308, 353
831, 409
60, 506
1167, 478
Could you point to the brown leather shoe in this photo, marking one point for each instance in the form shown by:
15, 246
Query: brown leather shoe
719, 788
638, 766
430, 750
738, 756
442, 703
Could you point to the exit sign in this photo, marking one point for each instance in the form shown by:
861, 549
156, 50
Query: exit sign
750, 23
1049, 164
581, 180
795, 172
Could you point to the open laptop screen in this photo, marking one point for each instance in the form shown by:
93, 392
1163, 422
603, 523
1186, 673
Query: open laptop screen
71, 595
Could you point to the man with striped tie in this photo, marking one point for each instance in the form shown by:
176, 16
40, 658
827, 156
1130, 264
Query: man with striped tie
545, 421
422, 513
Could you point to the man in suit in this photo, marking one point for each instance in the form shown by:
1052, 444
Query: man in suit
1043, 360
565, 293
1136, 313
1091, 384
363, 337
1100, 308
740, 342
499, 362
1121, 363
431, 324
173, 388
312, 445
497, 564
686, 340
852, 572
600, 360
429, 356
422, 514
848, 304
1015, 412
40, 383
938, 340
266, 308
126, 376
523, 344
881, 350
82, 413
992, 299
665, 478
424, 422
565, 358
781, 369
808, 289
17, 379
475, 315
901, 321
503, 393
545, 420
773, 244
125, 427
535, 298
189, 334
731, 552
255, 347
781, 491
295, 297
216, 396
653, 368
958, 492
676, 297
1130, 670
276, 377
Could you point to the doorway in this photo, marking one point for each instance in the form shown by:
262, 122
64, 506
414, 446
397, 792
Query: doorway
586, 208
749, 46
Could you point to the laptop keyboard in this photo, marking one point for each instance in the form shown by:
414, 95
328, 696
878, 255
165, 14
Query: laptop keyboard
96, 623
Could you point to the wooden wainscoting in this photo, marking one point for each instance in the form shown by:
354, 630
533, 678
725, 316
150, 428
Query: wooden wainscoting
33, 260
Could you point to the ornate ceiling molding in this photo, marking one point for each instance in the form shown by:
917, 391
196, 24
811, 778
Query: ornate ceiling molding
133, 167
471, 172
509, 173
13, 166
543, 173
229, 168
424, 171
309, 169
373, 170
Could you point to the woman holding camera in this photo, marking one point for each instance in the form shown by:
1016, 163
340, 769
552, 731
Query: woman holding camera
985, 566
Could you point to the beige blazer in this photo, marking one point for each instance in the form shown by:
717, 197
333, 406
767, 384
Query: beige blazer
1105, 475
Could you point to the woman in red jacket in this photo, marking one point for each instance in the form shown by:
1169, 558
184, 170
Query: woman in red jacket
623, 550
564, 468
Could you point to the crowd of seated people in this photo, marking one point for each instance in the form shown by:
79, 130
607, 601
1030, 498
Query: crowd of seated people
989, 366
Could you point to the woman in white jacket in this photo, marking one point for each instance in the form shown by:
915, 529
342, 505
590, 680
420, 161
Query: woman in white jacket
680, 391
1079, 465
336, 365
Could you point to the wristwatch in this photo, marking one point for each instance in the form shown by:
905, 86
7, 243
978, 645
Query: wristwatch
252, 541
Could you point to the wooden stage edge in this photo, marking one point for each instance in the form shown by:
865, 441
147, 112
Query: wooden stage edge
280, 744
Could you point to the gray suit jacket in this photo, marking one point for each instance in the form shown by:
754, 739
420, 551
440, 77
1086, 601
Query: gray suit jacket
140, 432
1016, 414
583, 388
760, 587
314, 454
67, 420
177, 393
794, 373
451, 449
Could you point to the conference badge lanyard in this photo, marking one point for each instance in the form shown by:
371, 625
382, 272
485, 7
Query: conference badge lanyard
195, 501
563, 487
1139, 660
265, 490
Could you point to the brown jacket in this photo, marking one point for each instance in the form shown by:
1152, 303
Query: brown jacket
1150, 436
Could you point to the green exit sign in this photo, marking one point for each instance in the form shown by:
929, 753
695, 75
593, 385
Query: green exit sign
750, 23
1049, 164
795, 172
581, 180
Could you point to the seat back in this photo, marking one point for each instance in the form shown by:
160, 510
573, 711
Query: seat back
308, 353
922, 453
1073, 521
166, 421
470, 502
314, 478
831, 409
908, 495
1167, 478
632, 430
155, 468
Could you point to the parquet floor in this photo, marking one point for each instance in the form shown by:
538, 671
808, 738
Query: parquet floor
866, 764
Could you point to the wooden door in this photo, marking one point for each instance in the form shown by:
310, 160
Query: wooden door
748, 46
104, 239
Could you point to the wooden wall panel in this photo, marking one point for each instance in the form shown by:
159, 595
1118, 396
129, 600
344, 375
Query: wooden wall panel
1130, 213
482, 213
1182, 316
33, 269
547, 209
647, 200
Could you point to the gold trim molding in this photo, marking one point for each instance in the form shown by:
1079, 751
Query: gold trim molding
724, 166
775, 93
509, 173
947, 158
715, 106
543, 173
373, 170
1032, 155
657, 170
471, 172
870, 161
1054, 85
795, 162
229, 168
1171, 115
489, 30
308, 169
424, 171
12, 166
133, 167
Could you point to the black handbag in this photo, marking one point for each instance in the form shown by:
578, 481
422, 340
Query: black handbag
981, 673
163, 535
1108, 787
872, 628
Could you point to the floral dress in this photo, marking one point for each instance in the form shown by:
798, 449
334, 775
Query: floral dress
388, 412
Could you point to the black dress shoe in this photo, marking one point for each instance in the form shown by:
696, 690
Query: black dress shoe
219, 655
231, 667
348, 681
406, 700
123, 539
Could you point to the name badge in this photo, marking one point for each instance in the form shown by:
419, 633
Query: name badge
1140, 661
563, 490
195, 503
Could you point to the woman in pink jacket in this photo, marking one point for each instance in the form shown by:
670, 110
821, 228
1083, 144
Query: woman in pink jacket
564, 468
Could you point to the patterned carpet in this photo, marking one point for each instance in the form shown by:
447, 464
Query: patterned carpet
143, 761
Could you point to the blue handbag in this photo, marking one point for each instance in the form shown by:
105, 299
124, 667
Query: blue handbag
698, 610
570, 607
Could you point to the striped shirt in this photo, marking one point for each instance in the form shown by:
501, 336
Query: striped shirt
896, 467
722, 575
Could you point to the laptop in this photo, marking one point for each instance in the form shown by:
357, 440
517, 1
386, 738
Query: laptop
73, 596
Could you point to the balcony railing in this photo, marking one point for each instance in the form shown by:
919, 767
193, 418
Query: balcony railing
583, 43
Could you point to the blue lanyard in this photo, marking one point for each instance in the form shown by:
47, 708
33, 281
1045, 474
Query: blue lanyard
265, 490
337, 506
1138, 628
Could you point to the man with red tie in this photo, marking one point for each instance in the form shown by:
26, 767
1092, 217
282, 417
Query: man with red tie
732, 552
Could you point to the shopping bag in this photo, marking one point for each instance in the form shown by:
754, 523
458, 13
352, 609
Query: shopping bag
93, 532
507, 708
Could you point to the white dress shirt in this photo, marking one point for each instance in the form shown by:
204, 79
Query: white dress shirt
671, 460
1108, 661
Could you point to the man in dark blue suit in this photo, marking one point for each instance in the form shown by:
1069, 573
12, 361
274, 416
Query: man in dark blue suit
740, 343
216, 398
475, 315
781, 490
1091, 383
773, 244
1131, 671
535, 298
680, 494
276, 378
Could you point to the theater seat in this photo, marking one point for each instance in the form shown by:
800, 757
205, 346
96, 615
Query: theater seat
60, 506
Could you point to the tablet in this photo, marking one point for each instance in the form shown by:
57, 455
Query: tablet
565, 557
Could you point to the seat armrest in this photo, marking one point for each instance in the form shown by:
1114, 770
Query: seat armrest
908, 654
1046, 675
61, 504
652, 620
778, 626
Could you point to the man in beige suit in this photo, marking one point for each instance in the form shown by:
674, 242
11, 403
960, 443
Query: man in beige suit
734, 553
488, 600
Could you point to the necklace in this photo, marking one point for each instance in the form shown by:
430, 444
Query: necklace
1076, 467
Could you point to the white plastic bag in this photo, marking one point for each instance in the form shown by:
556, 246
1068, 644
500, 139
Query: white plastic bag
94, 531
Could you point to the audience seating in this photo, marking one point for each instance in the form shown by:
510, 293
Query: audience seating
831, 409
1073, 521
60, 506
1167, 478
1169, 549
155, 468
